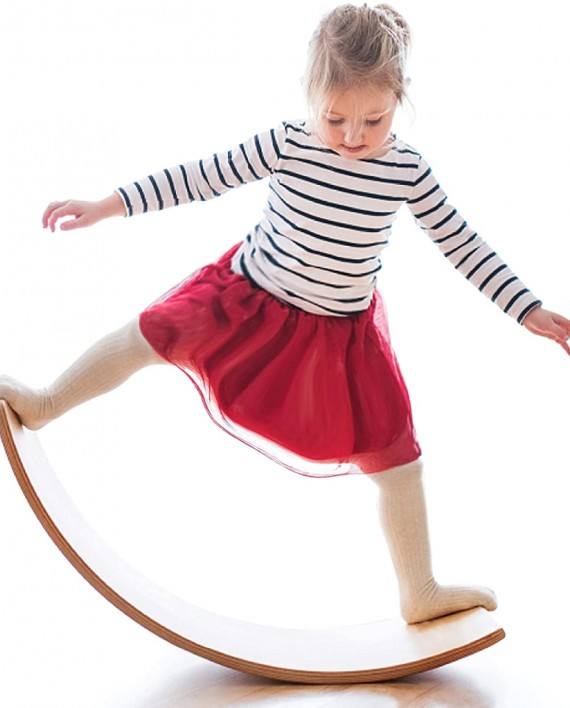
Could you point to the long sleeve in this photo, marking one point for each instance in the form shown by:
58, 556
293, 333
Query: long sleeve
204, 179
464, 249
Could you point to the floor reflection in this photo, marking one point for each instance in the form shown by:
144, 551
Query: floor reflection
210, 686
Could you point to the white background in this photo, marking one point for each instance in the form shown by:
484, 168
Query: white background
96, 94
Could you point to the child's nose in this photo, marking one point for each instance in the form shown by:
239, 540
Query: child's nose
353, 133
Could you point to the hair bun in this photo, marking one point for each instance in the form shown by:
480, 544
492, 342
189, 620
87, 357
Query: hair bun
364, 45
397, 19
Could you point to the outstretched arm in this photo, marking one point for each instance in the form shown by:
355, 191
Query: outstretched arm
549, 324
465, 249
80, 214
196, 180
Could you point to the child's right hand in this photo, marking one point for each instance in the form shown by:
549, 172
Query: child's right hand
82, 213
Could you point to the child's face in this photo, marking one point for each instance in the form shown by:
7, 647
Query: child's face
356, 122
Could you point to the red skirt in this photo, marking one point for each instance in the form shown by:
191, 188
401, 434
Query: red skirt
321, 395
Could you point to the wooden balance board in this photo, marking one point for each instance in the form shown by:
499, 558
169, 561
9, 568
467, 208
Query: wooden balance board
377, 651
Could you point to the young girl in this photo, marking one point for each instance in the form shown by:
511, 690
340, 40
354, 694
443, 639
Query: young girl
285, 336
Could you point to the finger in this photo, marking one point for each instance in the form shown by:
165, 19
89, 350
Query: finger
49, 210
558, 336
560, 333
563, 323
76, 223
561, 336
66, 209
554, 329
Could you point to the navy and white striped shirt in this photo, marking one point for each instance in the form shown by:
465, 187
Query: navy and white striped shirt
328, 219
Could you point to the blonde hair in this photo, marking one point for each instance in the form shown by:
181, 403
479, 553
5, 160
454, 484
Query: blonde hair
357, 46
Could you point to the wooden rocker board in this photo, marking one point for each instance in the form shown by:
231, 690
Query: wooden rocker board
377, 651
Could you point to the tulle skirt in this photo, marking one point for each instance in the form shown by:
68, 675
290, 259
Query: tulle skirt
321, 395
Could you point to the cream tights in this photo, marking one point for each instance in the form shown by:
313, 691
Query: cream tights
404, 520
103, 367
113, 359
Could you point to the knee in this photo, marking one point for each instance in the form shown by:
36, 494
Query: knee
137, 342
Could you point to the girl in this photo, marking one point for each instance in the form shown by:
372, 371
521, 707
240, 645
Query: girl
285, 336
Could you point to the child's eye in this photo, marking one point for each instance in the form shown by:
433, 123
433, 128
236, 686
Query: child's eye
377, 121
335, 121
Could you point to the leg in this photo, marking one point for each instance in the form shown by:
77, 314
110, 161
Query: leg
103, 367
404, 520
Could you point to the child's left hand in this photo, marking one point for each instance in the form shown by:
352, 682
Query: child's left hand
549, 324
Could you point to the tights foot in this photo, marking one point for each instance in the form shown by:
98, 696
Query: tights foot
439, 600
29, 405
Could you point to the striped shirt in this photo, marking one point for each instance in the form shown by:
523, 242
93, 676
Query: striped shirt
327, 220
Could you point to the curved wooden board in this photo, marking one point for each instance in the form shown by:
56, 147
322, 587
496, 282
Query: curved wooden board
377, 651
